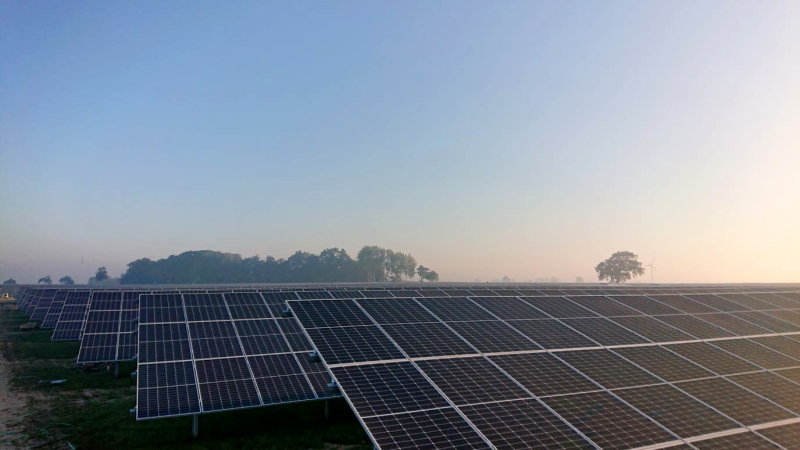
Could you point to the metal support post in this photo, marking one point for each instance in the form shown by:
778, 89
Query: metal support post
327, 411
195, 425
116, 369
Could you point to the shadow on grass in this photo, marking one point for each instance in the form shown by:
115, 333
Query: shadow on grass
299, 426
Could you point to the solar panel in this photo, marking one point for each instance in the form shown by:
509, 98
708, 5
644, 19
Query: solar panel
51, 318
73, 314
228, 358
101, 328
43, 306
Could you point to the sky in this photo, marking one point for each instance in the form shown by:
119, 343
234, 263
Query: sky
521, 138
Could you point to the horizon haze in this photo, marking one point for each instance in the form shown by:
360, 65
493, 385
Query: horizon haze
525, 139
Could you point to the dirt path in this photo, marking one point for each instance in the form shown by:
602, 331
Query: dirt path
12, 407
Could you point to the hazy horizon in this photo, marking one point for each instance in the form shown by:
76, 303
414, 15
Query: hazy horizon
526, 139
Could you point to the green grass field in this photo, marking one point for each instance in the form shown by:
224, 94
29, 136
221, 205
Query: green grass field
92, 409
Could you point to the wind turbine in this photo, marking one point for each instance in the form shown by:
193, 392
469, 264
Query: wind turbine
652, 269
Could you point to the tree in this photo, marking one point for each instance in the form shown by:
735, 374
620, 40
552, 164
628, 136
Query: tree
67, 280
372, 261
102, 274
619, 268
46, 280
10, 282
433, 276
423, 272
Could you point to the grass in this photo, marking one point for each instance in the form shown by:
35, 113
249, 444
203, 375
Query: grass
91, 410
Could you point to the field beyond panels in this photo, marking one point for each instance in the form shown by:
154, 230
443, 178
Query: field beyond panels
91, 410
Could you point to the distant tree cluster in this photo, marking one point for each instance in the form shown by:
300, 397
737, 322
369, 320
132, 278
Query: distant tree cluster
331, 265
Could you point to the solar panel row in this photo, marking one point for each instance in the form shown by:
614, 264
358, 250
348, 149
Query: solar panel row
599, 367
470, 371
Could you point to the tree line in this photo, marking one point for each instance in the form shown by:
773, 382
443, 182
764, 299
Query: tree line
331, 265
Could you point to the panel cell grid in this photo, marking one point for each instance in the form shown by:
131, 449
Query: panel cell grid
471, 380
768, 322
543, 374
739, 441
437, 428
663, 363
717, 302
392, 388
605, 331
455, 309
757, 354
353, 344
652, 329
559, 307
733, 324
607, 421
772, 387
646, 305
678, 412
427, 339
735, 402
684, 304
493, 336
712, 358
777, 300
523, 424
786, 435
324, 313
793, 317
750, 302
607, 368
788, 347
509, 308
696, 327
396, 310
376, 294
552, 334
605, 307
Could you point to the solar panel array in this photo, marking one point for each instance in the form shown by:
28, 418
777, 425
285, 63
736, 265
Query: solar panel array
213, 352
619, 371
509, 366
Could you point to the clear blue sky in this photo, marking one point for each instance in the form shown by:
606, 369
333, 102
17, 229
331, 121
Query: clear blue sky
526, 138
